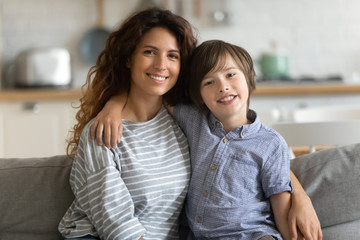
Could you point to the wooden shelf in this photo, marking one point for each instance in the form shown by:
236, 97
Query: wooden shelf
291, 89
263, 89
40, 94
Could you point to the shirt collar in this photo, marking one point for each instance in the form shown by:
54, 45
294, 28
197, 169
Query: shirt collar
243, 131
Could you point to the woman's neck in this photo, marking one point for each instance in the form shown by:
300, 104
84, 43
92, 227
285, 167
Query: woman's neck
138, 109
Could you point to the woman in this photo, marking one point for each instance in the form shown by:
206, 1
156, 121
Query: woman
134, 191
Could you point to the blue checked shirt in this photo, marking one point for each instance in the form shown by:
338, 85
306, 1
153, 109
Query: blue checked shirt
233, 176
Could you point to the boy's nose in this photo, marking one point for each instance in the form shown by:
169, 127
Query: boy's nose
224, 88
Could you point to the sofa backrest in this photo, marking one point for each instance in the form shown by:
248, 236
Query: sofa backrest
331, 178
35, 194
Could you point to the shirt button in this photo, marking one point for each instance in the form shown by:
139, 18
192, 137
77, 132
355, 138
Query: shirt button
198, 219
213, 167
205, 194
218, 124
225, 140
243, 134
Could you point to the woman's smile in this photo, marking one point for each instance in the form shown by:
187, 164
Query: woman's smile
157, 78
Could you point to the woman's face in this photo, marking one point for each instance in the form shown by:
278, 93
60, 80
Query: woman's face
155, 63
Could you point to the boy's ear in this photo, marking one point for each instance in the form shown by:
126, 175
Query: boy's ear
128, 63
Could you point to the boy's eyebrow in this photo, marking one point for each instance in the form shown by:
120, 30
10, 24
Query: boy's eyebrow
230, 68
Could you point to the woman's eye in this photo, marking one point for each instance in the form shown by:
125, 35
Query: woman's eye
149, 52
174, 56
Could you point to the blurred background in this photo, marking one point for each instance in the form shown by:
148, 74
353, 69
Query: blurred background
306, 53
320, 38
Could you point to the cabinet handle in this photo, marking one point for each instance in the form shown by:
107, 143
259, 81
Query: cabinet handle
31, 107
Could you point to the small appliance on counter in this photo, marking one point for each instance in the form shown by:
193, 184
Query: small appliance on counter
43, 67
274, 63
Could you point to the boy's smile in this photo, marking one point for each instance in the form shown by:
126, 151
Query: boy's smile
228, 99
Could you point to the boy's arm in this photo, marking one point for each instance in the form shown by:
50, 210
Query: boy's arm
108, 122
280, 204
302, 215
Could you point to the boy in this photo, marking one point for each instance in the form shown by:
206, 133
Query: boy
240, 168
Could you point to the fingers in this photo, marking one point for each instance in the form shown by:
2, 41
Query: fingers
311, 232
320, 235
293, 229
106, 132
99, 132
113, 138
107, 135
93, 129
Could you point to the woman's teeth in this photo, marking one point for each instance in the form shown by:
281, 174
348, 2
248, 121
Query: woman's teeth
157, 78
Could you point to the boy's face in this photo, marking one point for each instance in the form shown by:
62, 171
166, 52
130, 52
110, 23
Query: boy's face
225, 92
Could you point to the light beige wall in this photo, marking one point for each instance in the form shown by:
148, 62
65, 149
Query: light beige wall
321, 37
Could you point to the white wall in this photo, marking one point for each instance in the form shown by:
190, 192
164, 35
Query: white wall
321, 37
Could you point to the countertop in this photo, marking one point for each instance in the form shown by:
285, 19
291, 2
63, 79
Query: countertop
263, 89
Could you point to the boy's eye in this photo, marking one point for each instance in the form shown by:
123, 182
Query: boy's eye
206, 83
230, 75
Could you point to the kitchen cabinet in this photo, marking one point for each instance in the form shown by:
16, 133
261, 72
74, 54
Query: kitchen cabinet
35, 122
35, 128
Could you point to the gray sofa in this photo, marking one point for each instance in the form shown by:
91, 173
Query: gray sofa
35, 193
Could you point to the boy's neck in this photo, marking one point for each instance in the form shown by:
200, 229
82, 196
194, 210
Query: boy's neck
234, 122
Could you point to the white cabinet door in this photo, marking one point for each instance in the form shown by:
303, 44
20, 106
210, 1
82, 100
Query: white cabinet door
35, 129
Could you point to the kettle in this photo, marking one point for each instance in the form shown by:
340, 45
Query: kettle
274, 64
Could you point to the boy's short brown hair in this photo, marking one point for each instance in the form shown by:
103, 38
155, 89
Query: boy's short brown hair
211, 56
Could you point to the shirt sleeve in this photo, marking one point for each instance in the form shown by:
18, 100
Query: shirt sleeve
185, 114
102, 193
276, 170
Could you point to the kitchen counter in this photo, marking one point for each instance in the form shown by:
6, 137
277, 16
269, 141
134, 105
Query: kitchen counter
39, 94
263, 89
299, 89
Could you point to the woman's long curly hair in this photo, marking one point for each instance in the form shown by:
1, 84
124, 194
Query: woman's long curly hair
110, 76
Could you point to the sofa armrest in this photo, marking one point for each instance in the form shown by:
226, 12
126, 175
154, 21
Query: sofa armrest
35, 194
331, 178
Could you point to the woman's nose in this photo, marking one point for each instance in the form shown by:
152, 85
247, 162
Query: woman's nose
160, 63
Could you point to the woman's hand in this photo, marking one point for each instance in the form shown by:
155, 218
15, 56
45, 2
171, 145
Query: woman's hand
302, 216
108, 123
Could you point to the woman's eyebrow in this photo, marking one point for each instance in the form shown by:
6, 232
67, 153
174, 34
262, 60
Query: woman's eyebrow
156, 48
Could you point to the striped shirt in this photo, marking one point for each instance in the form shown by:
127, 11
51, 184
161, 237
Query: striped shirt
136, 189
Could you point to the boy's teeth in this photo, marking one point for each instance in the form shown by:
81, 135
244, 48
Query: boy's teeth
158, 78
227, 99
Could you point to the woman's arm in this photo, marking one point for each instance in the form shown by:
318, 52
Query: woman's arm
302, 215
108, 123
94, 177
280, 204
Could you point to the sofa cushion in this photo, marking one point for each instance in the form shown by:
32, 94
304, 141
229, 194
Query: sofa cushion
35, 193
331, 178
